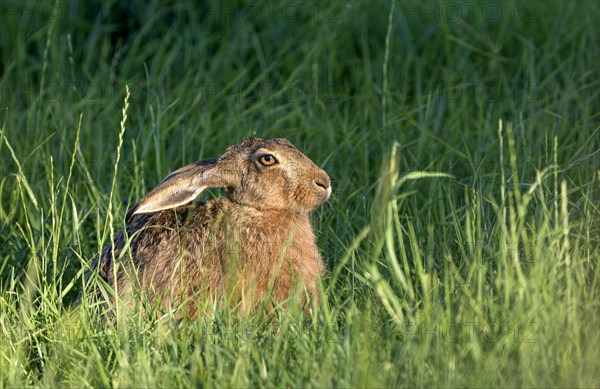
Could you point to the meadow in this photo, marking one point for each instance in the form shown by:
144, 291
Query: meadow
462, 239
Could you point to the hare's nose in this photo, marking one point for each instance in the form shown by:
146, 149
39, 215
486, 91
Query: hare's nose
323, 181
322, 184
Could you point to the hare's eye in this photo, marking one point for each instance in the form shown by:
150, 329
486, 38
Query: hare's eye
267, 160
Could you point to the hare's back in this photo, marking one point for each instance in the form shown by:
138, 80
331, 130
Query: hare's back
156, 243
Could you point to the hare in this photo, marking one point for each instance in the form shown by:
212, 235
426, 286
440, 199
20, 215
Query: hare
255, 245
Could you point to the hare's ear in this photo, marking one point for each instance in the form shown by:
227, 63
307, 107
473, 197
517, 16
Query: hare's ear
181, 187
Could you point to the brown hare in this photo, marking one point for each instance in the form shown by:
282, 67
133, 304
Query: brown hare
255, 245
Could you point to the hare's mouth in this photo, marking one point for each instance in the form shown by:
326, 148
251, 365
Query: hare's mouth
327, 193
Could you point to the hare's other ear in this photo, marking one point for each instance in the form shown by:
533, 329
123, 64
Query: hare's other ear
181, 187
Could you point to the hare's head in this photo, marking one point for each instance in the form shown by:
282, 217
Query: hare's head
260, 173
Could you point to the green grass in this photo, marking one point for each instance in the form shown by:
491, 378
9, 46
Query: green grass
485, 275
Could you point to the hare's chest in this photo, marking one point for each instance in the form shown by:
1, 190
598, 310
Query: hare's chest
281, 256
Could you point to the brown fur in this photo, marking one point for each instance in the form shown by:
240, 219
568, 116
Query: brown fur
254, 245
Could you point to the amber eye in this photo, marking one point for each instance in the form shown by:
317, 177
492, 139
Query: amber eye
267, 160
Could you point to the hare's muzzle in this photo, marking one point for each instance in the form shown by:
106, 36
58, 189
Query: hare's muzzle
324, 184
